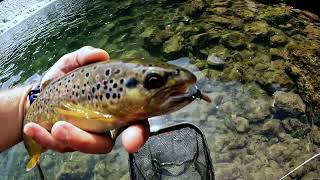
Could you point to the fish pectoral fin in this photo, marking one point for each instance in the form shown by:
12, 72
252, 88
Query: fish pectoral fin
77, 111
116, 132
33, 161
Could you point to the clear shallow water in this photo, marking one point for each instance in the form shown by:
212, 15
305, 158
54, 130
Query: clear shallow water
252, 132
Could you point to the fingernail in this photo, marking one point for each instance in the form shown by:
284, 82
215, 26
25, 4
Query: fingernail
27, 129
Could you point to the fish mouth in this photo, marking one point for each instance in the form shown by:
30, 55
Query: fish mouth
192, 92
172, 99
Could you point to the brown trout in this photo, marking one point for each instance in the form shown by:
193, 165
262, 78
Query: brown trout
110, 95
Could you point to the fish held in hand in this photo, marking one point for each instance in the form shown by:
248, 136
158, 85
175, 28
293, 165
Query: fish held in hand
110, 95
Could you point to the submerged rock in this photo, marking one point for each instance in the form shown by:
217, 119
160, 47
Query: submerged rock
204, 39
154, 38
273, 77
257, 28
279, 39
200, 64
219, 10
75, 170
279, 54
224, 21
215, 62
271, 127
195, 8
173, 45
288, 104
275, 15
296, 128
315, 135
241, 124
234, 40
220, 51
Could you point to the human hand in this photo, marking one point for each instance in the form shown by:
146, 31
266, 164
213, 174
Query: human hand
65, 137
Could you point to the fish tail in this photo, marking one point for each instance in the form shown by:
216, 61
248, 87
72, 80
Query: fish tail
33, 162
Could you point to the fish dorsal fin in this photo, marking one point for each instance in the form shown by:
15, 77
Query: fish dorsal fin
78, 111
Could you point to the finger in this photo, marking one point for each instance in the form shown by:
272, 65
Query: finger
134, 137
44, 138
83, 56
71, 61
81, 140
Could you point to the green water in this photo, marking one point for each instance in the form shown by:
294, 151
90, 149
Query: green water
261, 62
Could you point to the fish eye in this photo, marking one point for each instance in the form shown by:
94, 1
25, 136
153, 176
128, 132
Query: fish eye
153, 81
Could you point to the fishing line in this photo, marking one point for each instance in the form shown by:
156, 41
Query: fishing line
305, 162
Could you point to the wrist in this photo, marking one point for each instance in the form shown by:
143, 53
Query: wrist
12, 111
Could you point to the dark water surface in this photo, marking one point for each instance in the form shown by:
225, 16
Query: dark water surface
259, 63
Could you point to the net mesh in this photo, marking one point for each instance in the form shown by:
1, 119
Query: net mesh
178, 153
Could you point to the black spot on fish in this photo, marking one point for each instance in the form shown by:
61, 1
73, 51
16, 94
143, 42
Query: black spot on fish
111, 80
87, 74
150, 65
96, 96
115, 85
107, 72
83, 91
121, 89
59, 83
107, 95
68, 80
95, 67
121, 81
93, 90
101, 97
82, 70
110, 89
89, 98
98, 86
74, 86
144, 71
131, 83
72, 93
78, 87
119, 96
105, 82
114, 95
117, 71
66, 86
77, 94
84, 84
72, 75
105, 87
